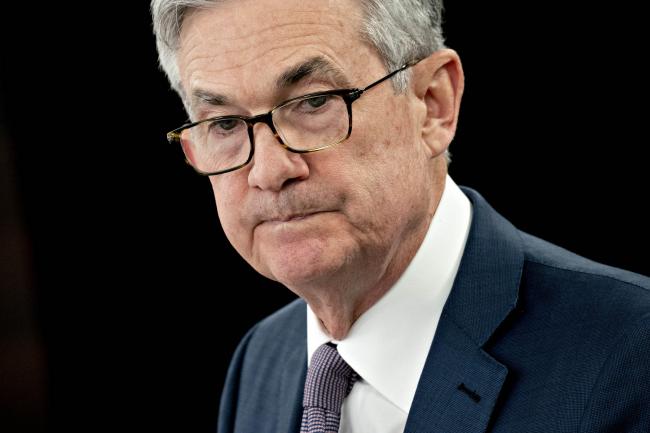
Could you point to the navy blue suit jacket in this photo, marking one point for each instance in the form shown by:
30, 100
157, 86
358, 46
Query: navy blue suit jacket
532, 338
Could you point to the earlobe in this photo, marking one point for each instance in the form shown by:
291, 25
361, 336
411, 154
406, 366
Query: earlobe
439, 84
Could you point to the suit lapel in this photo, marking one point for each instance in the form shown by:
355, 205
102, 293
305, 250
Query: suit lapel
292, 383
460, 382
458, 387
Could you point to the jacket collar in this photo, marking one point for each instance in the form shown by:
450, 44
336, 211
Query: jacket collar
487, 285
460, 382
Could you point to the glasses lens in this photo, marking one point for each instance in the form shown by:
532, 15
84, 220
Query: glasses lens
216, 145
313, 122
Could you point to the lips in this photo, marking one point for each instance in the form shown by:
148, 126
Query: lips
297, 202
290, 217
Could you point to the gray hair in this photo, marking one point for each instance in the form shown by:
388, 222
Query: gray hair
400, 31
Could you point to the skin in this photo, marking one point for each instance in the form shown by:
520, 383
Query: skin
337, 227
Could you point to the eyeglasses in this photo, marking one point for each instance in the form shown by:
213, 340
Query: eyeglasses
304, 124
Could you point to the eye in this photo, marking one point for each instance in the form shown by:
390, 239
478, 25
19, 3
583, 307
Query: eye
225, 124
317, 101
313, 105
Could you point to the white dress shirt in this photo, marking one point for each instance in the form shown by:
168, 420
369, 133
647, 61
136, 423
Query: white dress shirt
388, 345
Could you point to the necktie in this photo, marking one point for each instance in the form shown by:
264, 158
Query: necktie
329, 381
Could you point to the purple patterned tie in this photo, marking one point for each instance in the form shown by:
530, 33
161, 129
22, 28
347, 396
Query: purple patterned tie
329, 381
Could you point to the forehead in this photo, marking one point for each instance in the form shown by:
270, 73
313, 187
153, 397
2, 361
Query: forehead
250, 41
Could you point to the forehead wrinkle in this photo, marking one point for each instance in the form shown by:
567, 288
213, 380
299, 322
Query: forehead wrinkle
249, 52
257, 32
234, 61
273, 21
203, 77
246, 55
199, 31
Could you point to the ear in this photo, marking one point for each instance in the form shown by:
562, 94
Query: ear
438, 84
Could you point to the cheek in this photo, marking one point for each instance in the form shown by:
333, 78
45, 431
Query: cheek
229, 197
386, 131
389, 170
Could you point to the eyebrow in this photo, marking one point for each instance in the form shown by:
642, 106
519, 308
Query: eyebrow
210, 98
318, 67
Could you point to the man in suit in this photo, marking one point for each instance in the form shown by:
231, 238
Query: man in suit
422, 309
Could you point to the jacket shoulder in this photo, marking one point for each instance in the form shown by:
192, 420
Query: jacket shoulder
287, 325
580, 331
263, 372
542, 254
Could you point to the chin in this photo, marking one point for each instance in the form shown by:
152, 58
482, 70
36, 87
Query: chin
302, 266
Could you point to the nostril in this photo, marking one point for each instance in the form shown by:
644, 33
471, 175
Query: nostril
290, 182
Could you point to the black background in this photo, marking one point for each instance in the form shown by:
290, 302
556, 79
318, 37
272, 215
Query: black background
139, 300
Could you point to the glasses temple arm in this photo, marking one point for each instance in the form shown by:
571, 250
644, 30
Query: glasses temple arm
395, 72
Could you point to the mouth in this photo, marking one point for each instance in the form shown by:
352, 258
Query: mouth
291, 218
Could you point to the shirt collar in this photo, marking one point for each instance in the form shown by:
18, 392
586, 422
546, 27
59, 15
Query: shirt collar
388, 345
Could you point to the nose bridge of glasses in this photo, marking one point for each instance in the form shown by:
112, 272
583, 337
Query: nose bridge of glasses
267, 119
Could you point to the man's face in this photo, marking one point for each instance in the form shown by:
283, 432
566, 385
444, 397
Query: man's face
337, 215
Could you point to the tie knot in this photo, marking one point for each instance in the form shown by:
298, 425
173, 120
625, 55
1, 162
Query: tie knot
329, 380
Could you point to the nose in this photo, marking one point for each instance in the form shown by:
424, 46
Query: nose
273, 166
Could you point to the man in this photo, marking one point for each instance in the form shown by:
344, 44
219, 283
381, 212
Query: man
422, 309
